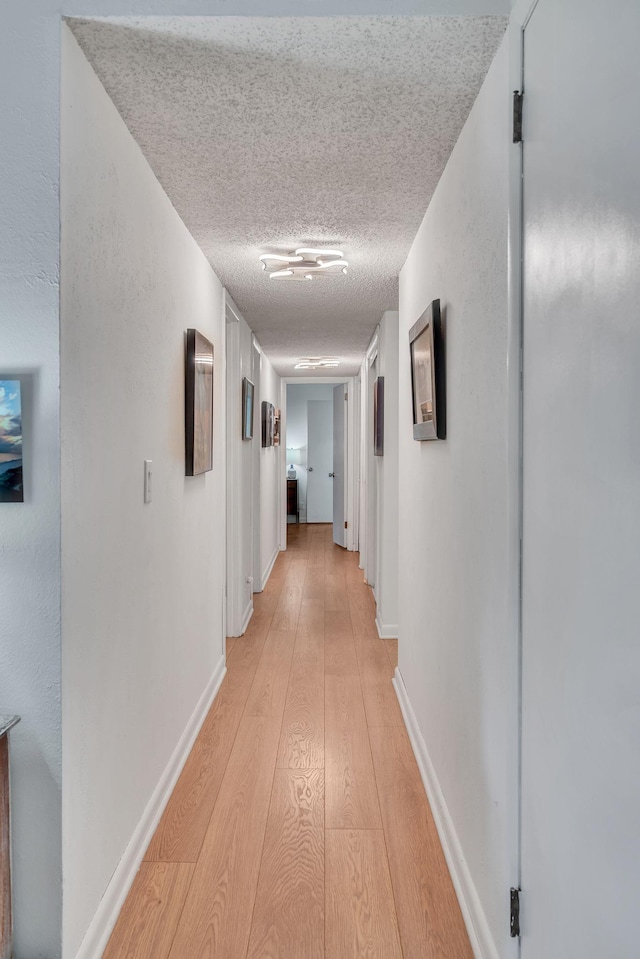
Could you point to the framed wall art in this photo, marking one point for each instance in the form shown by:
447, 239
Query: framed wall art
198, 403
268, 423
276, 427
426, 343
247, 409
378, 416
11, 486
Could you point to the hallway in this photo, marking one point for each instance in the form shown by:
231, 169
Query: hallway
299, 826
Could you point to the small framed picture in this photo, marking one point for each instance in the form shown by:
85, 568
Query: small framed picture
247, 409
11, 485
378, 416
198, 404
426, 344
276, 427
267, 423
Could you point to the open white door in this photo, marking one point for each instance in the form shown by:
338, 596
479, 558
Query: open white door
339, 472
319, 461
581, 536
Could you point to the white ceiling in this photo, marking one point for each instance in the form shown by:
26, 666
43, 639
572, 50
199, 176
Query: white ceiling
273, 133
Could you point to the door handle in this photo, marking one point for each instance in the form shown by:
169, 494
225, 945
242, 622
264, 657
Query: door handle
332, 475
309, 469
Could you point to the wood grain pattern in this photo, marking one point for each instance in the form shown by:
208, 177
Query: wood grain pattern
294, 861
216, 918
392, 651
288, 917
183, 825
302, 737
148, 921
429, 917
360, 912
269, 687
5, 854
350, 787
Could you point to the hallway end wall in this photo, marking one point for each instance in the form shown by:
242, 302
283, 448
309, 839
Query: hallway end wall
143, 584
455, 636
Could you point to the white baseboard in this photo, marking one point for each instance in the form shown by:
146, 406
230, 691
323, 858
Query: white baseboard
106, 915
482, 942
267, 573
386, 630
247, 617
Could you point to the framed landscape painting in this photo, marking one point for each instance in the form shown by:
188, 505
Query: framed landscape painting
247, 409
198, 404
426, 344
11, 488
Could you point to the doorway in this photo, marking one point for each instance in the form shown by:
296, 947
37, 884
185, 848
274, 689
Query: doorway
317, 454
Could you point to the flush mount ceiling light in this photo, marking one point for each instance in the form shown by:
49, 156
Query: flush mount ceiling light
316, 363
306, 263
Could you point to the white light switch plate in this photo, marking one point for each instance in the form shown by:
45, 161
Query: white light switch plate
147, 481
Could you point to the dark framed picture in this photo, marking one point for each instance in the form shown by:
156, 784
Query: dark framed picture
276, 427
11, 487
247, 409
378, 416
198, 407
268, 417
426, 343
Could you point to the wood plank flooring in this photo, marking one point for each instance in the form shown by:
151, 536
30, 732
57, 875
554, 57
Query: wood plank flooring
299, 827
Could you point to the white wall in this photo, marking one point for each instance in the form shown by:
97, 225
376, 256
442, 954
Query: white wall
241, 474
387, 482
270, 476
298, 397
454, 653
142, 584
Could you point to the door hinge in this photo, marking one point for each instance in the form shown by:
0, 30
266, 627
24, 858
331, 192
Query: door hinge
346, 525
517, 116
514, 920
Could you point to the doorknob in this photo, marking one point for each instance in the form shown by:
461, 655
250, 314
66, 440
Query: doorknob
309, 469
332, 475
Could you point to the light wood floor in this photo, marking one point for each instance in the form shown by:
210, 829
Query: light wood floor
299, 827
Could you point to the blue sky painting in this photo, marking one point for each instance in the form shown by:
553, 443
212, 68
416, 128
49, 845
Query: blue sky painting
11, 490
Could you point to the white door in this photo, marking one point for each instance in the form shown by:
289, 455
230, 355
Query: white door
339, 472
319, 461
581, 537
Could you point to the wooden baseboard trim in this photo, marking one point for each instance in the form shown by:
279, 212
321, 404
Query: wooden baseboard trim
106, 915
482, 941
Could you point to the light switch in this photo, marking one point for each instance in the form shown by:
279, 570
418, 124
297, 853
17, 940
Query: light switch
147, 481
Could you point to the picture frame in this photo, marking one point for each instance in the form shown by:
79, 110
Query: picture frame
11, 478
426, 345
276, 427
378, 416
198, 407
268, 423
247, 409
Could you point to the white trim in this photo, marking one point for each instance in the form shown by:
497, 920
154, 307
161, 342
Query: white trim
269, 568
386, 630
482, 941
106, 915
246, 619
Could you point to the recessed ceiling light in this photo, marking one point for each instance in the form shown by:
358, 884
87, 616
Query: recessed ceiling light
306, 263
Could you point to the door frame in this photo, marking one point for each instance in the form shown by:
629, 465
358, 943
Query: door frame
368, 509
352, 451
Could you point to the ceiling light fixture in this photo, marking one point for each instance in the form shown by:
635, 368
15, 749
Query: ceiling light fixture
316, 363
306, 263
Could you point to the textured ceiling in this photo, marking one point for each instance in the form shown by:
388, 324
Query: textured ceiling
273, 133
